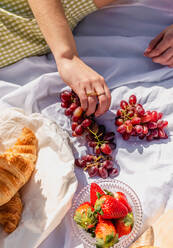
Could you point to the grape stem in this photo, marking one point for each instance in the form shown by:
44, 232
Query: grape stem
99, 142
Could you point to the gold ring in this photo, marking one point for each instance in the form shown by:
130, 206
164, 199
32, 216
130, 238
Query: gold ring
95, 94
101, 94
91, 94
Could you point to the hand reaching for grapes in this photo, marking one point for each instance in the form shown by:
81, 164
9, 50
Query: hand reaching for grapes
160, 49
86, 83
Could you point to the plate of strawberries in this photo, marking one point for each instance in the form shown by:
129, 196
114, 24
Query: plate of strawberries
106, 213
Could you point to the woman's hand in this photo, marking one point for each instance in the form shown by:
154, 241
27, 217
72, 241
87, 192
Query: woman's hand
160, 49
87, 84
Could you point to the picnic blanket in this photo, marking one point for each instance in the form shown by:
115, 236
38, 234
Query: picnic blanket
112, 42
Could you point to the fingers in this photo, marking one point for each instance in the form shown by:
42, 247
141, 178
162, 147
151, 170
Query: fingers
153, 43
83, 98
164, 58
161, 47
104, 99
170, 63
92, 100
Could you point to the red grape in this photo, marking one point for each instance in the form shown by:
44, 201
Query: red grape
107, 164
138, 129
93, 171
68, 112
119, 112
160, 124
145, 129
165, 124
131, 113
152, 125
121, 129
86, 123
65, 104
97, 150
136, 120
79, 163
74, 134
78, 112
92, 143
74, 125
150, 137
79, 130
109, 136
126, 136
95, 128
66, 96
103, 172
155, 133
146, 118
140, 110
154, 116
142, 136
119, 122
159, 116
114, 172
129, 126
161, 133
132, 100
123, 104
73, 106
89, 157
106, 149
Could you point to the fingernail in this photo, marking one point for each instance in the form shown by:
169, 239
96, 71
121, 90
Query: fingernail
147, 50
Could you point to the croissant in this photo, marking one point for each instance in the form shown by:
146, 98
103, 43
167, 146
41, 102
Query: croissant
10, 214
17, 165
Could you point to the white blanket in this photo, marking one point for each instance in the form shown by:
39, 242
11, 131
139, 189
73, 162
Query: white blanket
112, 41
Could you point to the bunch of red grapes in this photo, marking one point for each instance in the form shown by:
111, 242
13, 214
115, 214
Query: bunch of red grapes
98, 165
133, 120
101, 141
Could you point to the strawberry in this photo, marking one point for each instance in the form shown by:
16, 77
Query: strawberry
85, 216
106, 235
124, 225
110, 208
123, 199
95, 193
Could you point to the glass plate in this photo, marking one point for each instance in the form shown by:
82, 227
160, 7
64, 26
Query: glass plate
114, 186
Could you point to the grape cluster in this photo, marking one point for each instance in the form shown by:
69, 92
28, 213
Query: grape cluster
97, 138
97, 165
133, 120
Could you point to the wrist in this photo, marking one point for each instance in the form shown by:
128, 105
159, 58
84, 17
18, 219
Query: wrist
62, 56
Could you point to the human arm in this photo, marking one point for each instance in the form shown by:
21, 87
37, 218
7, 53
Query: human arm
74, 72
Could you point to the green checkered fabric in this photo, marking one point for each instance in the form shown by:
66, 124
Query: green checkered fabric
20, 35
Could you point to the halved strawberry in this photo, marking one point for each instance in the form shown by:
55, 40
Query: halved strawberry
124, 225
110, 208
85, 216
95, 193
123, 199
106, 235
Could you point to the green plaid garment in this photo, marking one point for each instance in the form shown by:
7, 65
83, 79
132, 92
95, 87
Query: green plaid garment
20, 35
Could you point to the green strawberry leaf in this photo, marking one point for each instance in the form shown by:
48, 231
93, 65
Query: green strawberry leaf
77, 218
116, 240
109, 238
98, 195
89, 213
100, 243
129, 220
108, 192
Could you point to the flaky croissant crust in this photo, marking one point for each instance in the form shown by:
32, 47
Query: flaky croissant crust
17, 165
